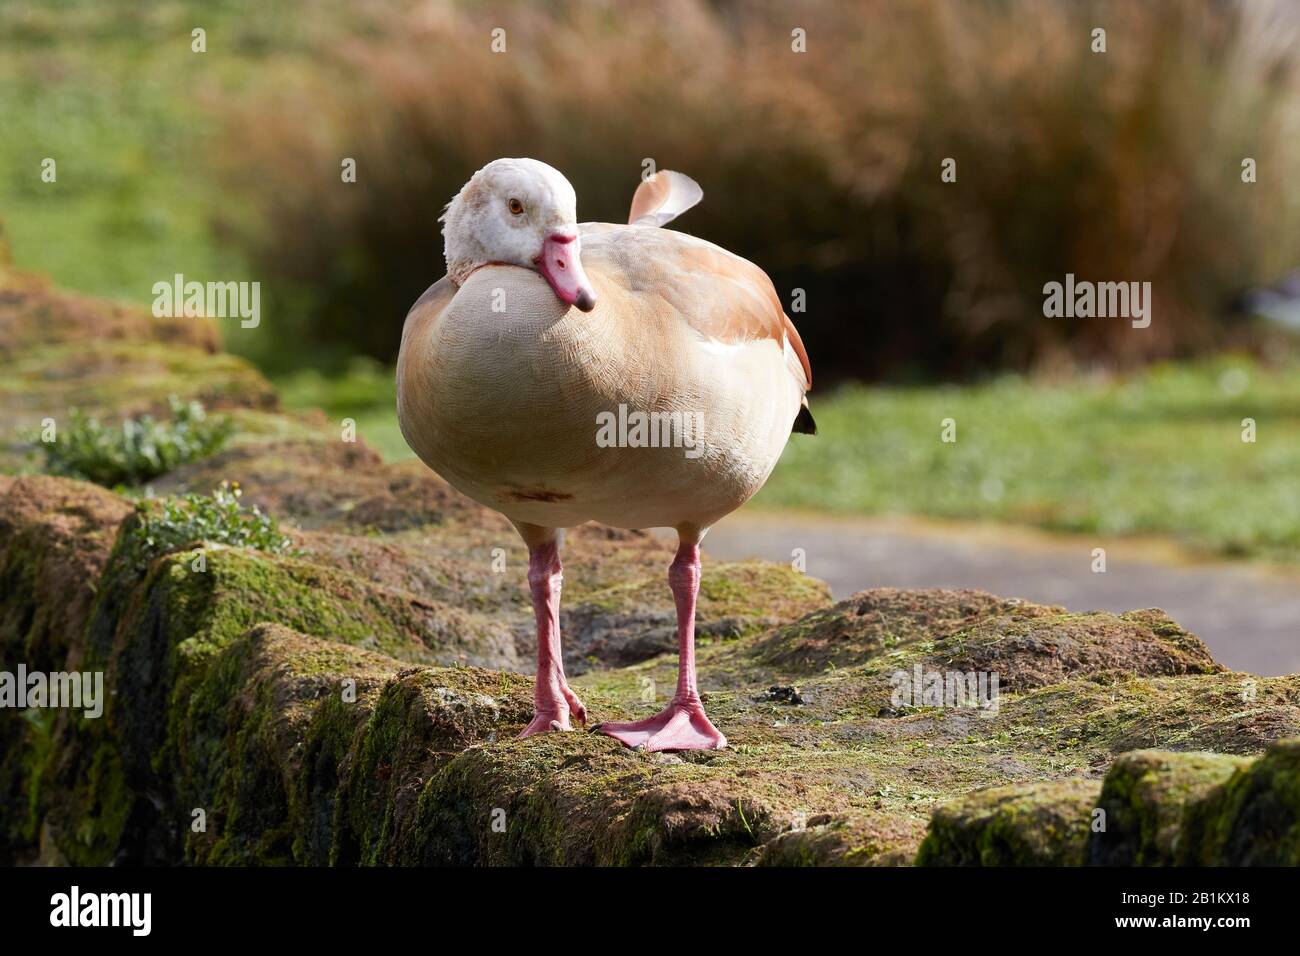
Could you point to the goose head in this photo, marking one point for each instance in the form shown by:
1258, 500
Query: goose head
518, 212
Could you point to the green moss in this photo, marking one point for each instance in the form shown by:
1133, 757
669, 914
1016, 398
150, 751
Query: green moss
174, 623
239, 588
214, 707
890, 630
203, 612
241, 757
102, 808
107, 376
870, 839
332, 736
580, 799
55, 536
1155, 809
29, 748
1039, 824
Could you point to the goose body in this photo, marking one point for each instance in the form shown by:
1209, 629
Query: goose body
625, 374
509, 406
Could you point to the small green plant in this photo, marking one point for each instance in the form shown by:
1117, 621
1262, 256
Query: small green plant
173, 523
137, 450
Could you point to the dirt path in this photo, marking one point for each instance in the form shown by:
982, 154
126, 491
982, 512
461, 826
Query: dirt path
1248, 615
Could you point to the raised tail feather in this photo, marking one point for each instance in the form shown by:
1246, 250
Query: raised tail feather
663, 197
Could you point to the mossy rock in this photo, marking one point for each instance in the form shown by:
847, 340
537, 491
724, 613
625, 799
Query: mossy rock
35, 314
228, 665
243, 756
870, 839
1252, 819
1145, 796
879, 659
328, 745
316, 480
637, 620
60, 350
159, 637
1186, 713
1155, 808
581, 799
56, 536
115, 380
55, 540
864, 625
1027, 645
213, 593
421, 721
1038, 824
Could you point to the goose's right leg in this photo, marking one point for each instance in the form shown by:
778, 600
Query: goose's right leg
553, 700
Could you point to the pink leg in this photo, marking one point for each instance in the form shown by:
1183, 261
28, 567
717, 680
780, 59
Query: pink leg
553, 700
682, 725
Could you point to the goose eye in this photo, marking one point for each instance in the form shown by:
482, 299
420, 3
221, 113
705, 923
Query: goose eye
516, 206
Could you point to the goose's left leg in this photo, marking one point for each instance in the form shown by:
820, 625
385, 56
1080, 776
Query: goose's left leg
682, 725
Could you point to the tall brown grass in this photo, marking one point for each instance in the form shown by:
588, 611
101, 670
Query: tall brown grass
823, 167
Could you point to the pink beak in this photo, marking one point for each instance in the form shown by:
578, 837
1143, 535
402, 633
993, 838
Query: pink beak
560, 266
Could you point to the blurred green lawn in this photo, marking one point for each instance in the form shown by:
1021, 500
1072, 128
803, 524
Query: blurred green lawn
112, 91
1157, 453
366, 392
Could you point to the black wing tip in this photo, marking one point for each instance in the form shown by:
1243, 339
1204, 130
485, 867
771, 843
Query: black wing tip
804, 423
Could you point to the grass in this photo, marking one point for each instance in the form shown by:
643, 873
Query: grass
1159, 453
112, 91
101, 91
365, 391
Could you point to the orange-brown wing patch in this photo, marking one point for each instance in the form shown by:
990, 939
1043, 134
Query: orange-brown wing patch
723, 297
748, 306
796, 343
719, 295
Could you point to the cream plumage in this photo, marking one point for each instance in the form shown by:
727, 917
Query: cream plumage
523, 402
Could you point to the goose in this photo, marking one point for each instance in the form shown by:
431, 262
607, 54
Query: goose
566, 372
